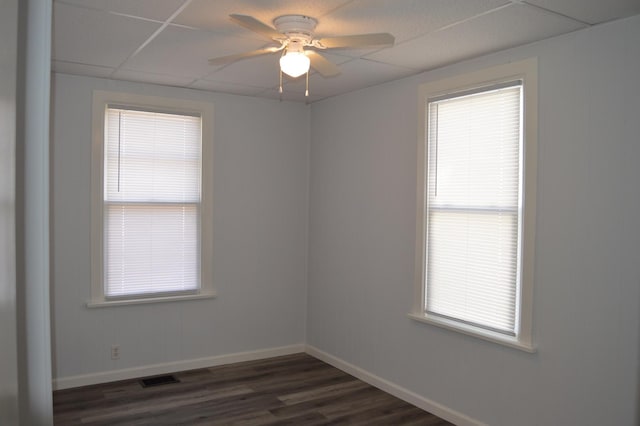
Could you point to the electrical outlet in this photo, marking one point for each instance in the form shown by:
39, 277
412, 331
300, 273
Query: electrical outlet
115, 352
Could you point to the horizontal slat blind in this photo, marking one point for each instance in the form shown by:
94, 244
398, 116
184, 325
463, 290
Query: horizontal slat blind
152, 203
473, 208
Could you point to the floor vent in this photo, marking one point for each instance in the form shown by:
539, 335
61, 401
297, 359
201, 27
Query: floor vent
158, 380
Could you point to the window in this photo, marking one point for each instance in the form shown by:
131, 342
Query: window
151, 206
476, 204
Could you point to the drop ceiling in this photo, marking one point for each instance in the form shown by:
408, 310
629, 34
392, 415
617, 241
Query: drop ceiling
169, 42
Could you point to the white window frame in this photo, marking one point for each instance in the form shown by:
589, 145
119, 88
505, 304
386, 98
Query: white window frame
101, 100
526, 71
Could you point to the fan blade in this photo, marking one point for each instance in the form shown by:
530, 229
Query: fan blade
322, 64
232, 58
360, 40
253, 24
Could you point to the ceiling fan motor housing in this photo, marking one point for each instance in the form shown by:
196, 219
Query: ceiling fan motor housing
297, 28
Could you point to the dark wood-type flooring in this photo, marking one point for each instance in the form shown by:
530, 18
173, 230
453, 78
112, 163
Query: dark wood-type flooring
288, 390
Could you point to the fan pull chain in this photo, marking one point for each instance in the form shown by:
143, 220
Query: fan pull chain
284, 51
306, 92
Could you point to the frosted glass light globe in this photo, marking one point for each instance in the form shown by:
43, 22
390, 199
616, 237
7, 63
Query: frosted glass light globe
294, 64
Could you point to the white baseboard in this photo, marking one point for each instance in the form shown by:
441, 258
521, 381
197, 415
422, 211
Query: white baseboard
395, 390
172, 367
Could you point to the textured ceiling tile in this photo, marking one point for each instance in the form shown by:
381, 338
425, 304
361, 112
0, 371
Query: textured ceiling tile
184, 51
405, 19
226, 87
262, 71
148, 77
95, 37
149, 9
591, 11
214, 15
357, 74
511, 26
81, 69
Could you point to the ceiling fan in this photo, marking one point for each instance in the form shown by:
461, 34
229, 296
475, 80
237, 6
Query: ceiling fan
294, 33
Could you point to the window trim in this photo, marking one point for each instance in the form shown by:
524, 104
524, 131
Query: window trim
101, 99
526, 71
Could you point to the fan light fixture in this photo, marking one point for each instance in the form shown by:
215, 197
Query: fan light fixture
294, 33
294, 64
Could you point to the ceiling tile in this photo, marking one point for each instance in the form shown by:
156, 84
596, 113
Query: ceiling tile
214, 15
81, 69
102, 38
510, 26
185, 51
159, 10
357, 74
150, 77
95, 37
225, 87
261, 71
405, 19
591, 11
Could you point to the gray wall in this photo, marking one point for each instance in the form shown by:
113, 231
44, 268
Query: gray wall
25, 356
587, 281
32, 212
8, 300
260, 225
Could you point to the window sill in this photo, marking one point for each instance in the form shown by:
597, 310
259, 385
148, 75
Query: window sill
161, 299
475, 332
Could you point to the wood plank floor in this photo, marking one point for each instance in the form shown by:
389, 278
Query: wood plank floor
288, 390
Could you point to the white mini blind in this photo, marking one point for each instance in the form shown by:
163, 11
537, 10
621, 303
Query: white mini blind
152, 193
474, 207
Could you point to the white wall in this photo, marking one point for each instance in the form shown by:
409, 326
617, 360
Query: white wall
587, 282
260, 225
